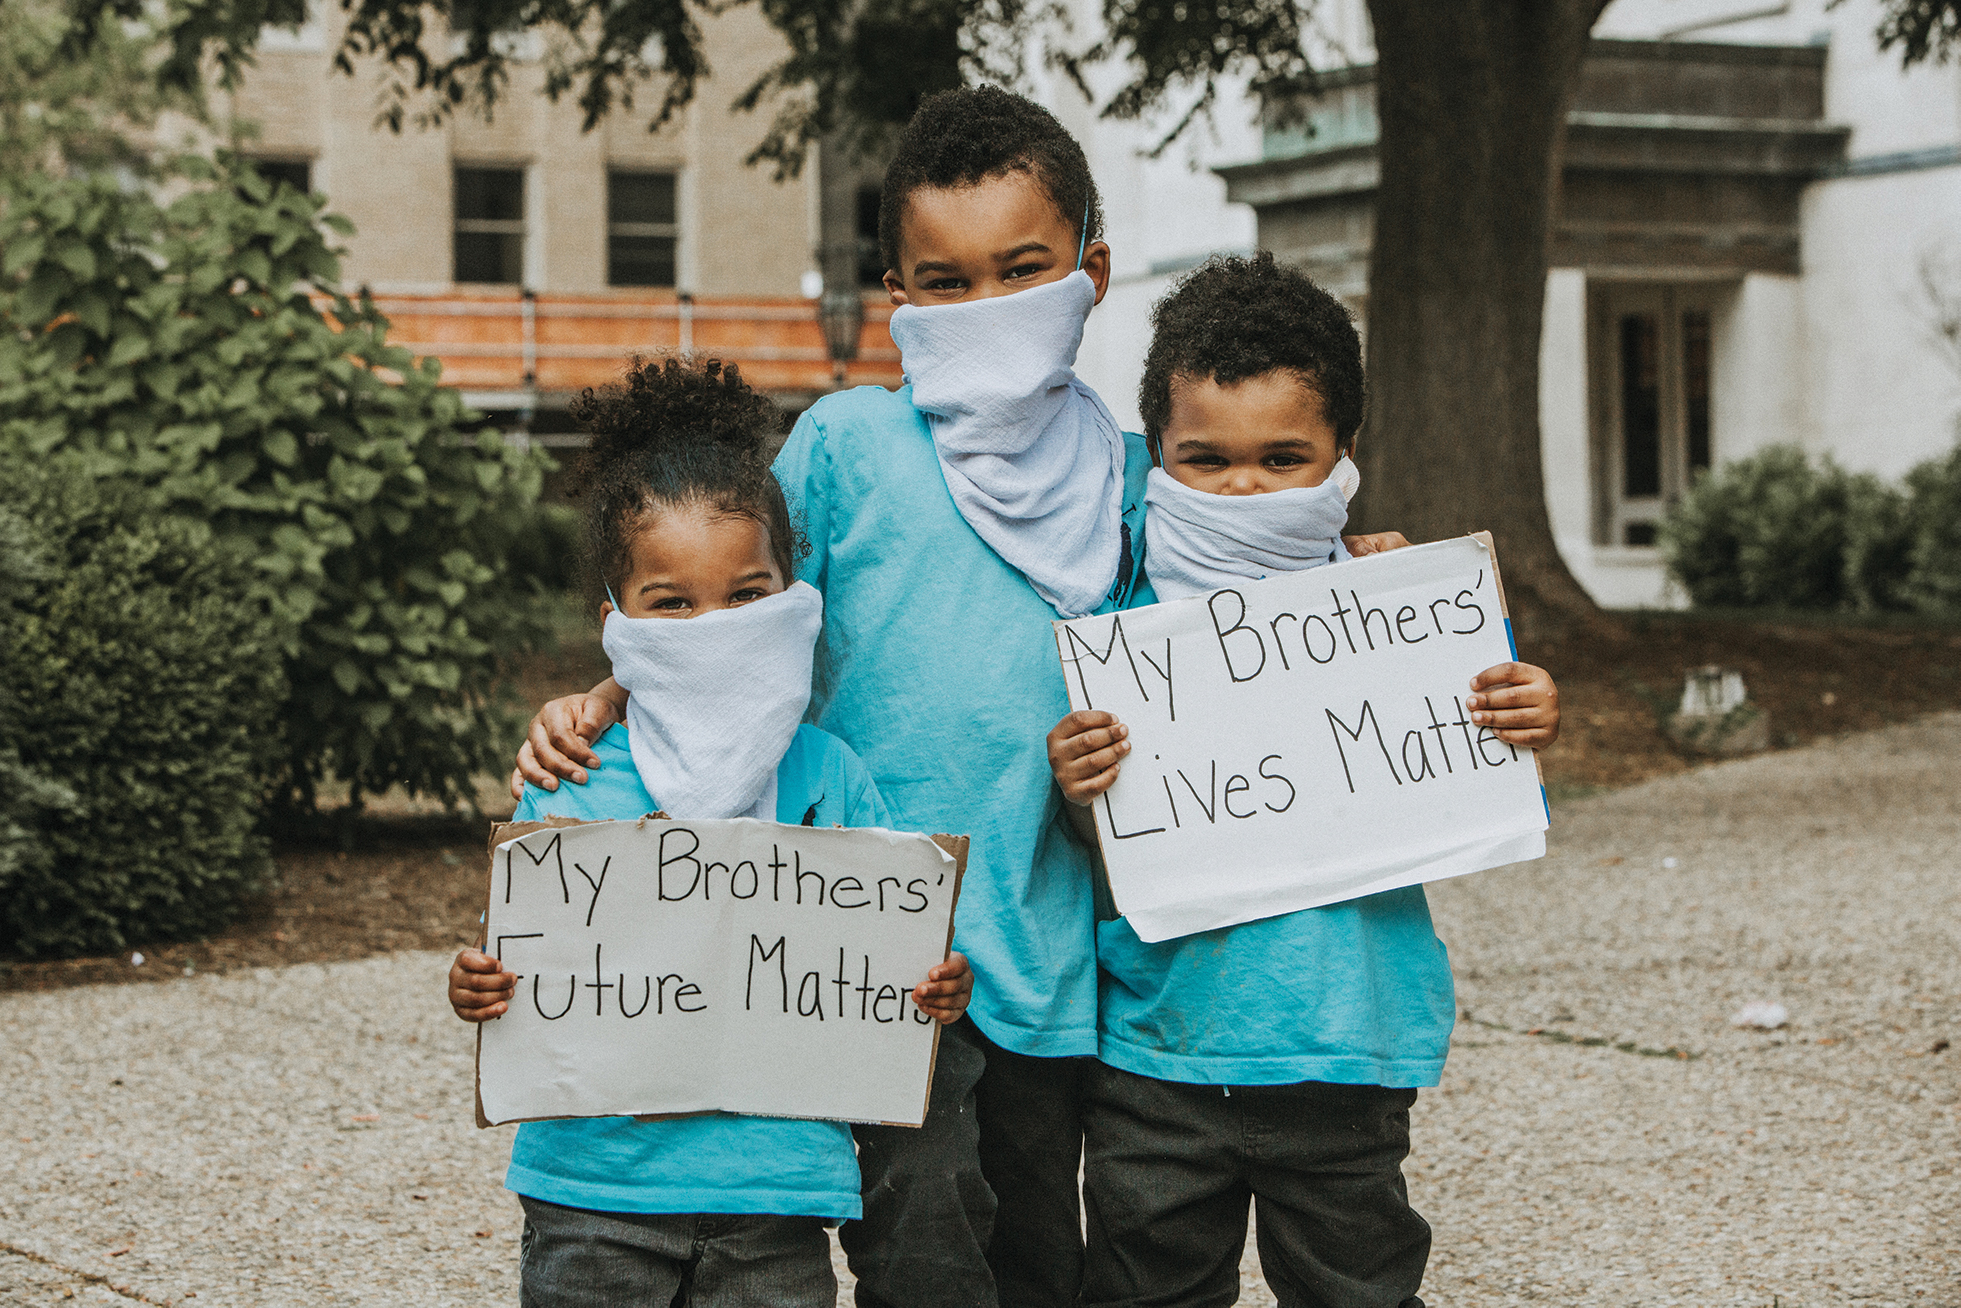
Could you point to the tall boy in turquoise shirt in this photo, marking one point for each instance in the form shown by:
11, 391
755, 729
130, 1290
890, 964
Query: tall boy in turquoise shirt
939, 669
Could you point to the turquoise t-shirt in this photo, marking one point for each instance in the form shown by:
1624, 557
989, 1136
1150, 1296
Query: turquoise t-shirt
716, 1162
1358, 993
939, 667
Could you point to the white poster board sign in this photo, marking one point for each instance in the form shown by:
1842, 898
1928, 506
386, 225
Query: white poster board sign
1302, 740
668, 967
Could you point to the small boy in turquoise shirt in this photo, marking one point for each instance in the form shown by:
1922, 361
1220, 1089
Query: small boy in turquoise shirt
1273, 1062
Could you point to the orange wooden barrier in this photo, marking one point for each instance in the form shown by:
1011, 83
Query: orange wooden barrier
508, 342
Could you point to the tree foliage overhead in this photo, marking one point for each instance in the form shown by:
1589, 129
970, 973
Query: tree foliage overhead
856, 69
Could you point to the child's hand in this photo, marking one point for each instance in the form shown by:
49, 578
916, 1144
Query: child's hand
562, 734
1519, 702
1378, 543
1085, 750
943, 995
479, 987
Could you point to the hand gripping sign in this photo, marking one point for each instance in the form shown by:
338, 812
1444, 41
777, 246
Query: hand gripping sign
669, 967
1302, 740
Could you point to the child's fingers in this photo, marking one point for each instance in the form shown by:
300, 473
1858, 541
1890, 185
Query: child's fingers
1082, 731
1502, 674
1534, 738
1083, 790
487, 1013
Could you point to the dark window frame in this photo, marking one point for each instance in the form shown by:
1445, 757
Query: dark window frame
619, 230
505, 229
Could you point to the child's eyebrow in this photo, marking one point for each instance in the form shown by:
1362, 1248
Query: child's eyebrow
1026, 247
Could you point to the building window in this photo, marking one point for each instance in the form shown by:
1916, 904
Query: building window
1652, 365
641, 231
296, 173
490, 225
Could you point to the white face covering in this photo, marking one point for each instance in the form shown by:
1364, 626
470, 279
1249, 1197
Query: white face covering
1032, 458
715, 700
1196, 543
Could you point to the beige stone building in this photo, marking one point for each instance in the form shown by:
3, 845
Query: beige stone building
531, 257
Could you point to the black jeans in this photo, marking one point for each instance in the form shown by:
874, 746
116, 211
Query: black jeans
1170, 1169
978, 1208
575, 1258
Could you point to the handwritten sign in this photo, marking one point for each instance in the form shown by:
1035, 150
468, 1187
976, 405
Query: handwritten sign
669, 967
1303, 740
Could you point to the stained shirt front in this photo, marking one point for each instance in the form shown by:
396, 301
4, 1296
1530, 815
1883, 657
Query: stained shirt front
715, 1162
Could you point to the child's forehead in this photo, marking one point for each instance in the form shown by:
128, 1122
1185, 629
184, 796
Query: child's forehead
998, 205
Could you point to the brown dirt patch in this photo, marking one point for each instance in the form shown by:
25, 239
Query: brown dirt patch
1814, 677
404, 878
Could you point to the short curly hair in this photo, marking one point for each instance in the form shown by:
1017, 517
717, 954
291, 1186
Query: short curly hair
967, 135
1232, 318
676, 431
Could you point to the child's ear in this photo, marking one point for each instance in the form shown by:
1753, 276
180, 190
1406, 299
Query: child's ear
897, 289
1096, 262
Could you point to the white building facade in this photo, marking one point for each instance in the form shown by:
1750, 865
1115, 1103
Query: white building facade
1760, 234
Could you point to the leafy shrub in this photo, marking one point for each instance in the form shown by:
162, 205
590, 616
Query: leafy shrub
1773, 530
1766, 530
1933, 576
152, 688
186, 346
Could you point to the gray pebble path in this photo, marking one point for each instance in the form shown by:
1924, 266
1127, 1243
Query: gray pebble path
303, 1136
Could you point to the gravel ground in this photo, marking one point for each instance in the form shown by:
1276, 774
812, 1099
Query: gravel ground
1602, 1136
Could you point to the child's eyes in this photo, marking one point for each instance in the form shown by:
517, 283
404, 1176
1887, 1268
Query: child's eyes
1023, 270
671, 604
1284, 461
944, 284
746, 596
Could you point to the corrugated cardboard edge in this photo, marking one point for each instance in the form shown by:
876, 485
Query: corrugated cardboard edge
1511, 638
955, 848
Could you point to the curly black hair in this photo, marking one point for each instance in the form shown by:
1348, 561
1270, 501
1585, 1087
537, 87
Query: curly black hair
676, 431
969, 134
1231, 319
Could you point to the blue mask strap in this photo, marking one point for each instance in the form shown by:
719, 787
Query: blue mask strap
615, 603
1083, 244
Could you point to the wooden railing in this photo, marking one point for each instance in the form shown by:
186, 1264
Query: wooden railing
545, 343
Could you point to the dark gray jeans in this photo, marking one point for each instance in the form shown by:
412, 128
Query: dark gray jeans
1169, 1170
979, 1207
576, 1258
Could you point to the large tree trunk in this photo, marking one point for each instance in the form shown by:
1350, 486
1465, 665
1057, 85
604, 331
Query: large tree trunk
1472, 97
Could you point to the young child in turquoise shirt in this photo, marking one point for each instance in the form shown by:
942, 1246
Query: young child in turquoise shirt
685, 521
1273, 1062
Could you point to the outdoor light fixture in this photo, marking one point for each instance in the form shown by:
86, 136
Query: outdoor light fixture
842, 314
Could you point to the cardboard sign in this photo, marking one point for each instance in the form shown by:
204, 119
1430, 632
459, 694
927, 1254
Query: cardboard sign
1302, 740
669, 967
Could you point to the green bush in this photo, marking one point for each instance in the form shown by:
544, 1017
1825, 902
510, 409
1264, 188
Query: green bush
1933, 575
1766, 530
1776, 531
201, 348
143, 721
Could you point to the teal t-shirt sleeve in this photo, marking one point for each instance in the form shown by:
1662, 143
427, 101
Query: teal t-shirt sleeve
867, 805
802, 469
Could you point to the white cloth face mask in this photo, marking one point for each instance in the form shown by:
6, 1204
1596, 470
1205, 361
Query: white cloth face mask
1196, 543
1032, 458
714, 700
